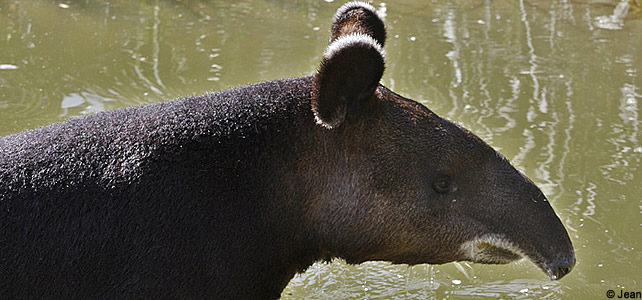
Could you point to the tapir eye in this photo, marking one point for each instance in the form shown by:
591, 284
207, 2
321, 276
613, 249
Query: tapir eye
441, 185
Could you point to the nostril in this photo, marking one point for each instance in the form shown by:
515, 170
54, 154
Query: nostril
562, 267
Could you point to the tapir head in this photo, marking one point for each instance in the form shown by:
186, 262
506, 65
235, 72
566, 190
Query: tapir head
408, 186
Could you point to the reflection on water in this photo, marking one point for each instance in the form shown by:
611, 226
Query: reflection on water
90, 102
543, 82
614, 21
8, 67
384, 281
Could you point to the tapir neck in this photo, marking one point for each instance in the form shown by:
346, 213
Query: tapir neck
311, 170
273, 232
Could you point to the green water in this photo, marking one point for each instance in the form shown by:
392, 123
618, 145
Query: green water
550, 84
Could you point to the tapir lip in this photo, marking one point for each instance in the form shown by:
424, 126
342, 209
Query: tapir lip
496, 249
491, 249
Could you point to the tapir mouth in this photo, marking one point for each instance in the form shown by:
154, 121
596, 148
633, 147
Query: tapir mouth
495, 249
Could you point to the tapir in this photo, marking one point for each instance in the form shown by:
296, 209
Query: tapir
230, 194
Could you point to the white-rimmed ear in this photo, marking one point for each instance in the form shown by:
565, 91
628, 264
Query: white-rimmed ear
350, 71
358, 17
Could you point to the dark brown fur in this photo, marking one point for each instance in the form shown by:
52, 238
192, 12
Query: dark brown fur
229, 194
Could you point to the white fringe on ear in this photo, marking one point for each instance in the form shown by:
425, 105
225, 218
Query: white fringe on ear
348, 41
343, 42
331, 125
354, 4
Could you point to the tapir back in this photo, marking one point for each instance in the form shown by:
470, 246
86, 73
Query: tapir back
116, 147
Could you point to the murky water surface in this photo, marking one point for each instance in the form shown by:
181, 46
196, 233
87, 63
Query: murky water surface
556, 86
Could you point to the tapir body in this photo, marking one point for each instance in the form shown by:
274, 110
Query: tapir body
229, 194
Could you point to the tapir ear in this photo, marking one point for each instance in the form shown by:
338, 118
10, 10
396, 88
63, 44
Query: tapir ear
352, 64
350, 71
358, 17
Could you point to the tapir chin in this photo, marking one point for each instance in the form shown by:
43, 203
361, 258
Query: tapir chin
230, 194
